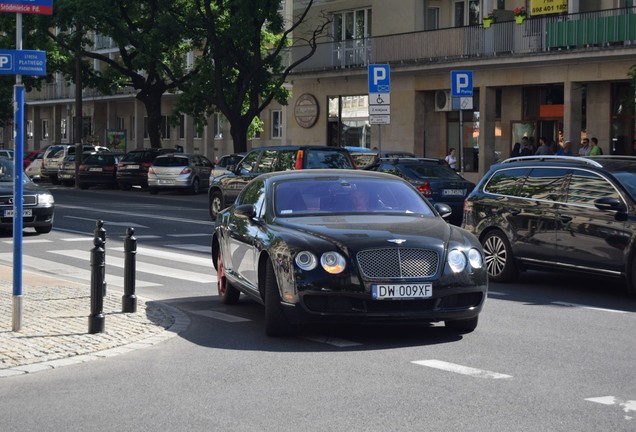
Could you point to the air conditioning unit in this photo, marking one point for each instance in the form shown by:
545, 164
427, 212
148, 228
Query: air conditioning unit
443, 100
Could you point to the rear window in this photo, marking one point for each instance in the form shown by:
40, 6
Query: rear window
142, 156
100, 159
430, 171
171, 161
327, 159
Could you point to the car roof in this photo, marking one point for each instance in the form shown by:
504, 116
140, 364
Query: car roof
607, 162
300, 147
326, 173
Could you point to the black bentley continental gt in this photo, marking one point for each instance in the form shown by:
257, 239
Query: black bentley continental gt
346, 246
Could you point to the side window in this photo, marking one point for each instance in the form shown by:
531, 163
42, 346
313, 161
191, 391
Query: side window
544, 184
586, 186
254, 193
266, 164
247, 164
506, 181
391, 168
286, 160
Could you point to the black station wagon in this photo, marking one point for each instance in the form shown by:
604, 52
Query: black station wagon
557, 213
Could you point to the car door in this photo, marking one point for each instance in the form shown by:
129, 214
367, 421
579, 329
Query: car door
247, 170
206, 169
533, 217
243, 234
587, 236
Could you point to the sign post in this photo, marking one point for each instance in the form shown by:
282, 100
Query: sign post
379, 97
461, 86
20, 62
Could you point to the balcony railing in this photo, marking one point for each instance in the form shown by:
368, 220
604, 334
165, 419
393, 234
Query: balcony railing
613, 27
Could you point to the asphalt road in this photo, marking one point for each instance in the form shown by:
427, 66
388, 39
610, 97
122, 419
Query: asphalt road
552, 352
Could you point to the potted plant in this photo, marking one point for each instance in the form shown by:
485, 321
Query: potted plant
520, 15
488, 20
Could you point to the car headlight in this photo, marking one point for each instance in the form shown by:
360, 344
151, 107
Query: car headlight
456, 260
475, 259
45, 200
306, 260
333, 262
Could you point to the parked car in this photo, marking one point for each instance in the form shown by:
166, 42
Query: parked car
318, 246
189, 172
66, 170
55, 154
132, 169
225, 188
225, 163
6, 154
98, 169
34, 170
557, 213
433, 178
38, 203
31, 156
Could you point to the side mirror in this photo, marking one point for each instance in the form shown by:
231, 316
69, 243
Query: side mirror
444, 210
245, 211
609, 204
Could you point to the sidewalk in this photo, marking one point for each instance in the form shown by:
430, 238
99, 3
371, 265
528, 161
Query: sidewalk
54, 325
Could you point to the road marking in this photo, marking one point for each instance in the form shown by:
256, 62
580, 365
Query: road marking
173, 256
627, 406
587, 307
464, 370
63, 270
158, 270
146, 215
190, 235
30, 241
78, 239
110, 223
341, 343
193, 248
497, 293
221, 316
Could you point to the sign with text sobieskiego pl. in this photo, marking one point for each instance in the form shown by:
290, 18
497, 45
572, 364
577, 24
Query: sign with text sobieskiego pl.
22, 62
41, 7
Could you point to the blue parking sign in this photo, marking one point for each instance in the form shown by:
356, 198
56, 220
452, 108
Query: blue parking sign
379, 78
461, 83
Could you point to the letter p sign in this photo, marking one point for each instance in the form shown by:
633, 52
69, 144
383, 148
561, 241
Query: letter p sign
5, 62
461, 83
379, 78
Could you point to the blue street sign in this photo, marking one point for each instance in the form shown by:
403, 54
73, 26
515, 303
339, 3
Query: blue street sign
22, 62
41, 7
461, 83
379, 78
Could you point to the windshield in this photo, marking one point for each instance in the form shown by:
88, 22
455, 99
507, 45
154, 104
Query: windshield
628, 180
6, 171
171, 161
348, 195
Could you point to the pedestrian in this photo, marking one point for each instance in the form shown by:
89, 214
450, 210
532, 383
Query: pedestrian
544, 148
585, 147
595, 150
566, 149
516, 150
526, 147
451, 159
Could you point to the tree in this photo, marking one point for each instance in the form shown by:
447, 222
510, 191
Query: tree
152, 48
242, 70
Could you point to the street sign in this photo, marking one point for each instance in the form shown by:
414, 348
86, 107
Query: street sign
379, 109
461, 83
22, 62
380, 119
462, 103
41, 7
379, 98
379, 78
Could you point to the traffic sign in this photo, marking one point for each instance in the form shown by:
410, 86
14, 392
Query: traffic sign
379, 98
22, 62
379, 109
380, 119
41, 7
379, 78
461, 83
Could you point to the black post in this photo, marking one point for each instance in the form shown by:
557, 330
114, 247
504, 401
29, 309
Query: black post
100, 232
129, 299
96, 318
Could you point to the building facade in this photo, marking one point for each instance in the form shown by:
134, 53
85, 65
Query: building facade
559, 72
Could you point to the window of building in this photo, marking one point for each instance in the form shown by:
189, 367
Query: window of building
219, 121
432, 18
182, 127
133, 127
45, 129
466, 12
120, 122
348, 121
164, 128
277, 124
29, 129
351, 29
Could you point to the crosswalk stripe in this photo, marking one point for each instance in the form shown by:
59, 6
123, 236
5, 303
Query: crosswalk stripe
464, 370
64, 270
154, 269
193, 248
189, 235
173, 256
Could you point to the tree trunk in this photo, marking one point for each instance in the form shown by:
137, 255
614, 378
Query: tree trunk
152, 101
238, 130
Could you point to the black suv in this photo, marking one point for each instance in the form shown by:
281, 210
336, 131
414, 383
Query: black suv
225, 188
433, 178
132, 169
558, 213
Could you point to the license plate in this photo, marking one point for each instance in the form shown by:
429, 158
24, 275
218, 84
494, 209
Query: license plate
166, 182
95, 169
453, 192
131, 166
25, 213
401, 291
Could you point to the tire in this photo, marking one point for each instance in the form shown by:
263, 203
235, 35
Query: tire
500, 262
228, 293
55, 180
43, 229
196, 187
216, 204
462, 326
153, 191
276, 323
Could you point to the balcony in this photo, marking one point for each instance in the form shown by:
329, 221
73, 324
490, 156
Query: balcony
539, 35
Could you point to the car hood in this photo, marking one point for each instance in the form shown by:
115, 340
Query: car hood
6, 188
364, 231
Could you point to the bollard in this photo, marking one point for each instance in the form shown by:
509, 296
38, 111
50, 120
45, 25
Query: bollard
96, 318
129, 299
100, 232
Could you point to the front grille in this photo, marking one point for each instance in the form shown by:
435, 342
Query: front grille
7, 200
403, 263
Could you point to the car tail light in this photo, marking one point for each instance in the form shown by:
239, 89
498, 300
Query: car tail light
82, 167
299, 159
120, 165
147, 164
425, 189
186, 170
151, 171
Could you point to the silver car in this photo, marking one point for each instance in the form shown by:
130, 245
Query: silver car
190, 172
